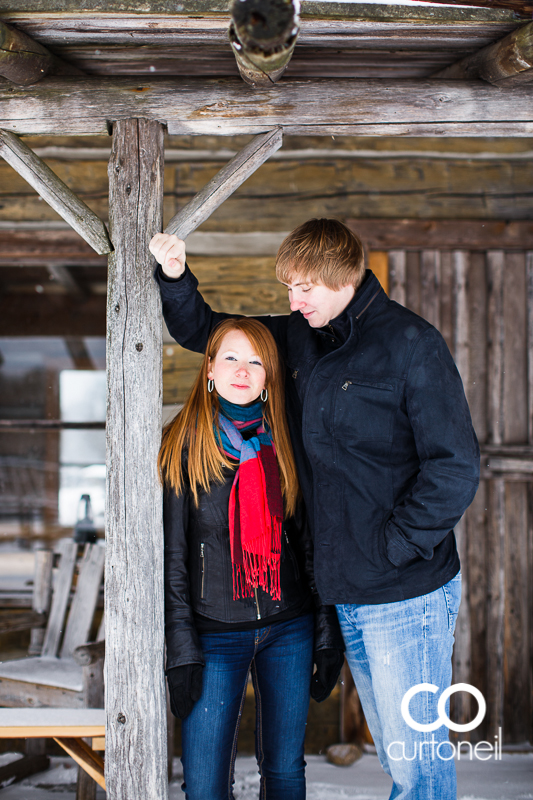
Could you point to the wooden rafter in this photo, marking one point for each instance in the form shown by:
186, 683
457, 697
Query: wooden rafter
56, 193
24, 61
262, 35
511, 57
223, 107
520, 6
225, 183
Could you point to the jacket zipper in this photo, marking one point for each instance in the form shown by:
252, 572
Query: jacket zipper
346, 384
202, 557
292, 557
258, 612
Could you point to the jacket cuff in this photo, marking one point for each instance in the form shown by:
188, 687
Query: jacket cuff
398, 552
159, 275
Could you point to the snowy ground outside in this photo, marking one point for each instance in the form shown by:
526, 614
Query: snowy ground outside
509, 779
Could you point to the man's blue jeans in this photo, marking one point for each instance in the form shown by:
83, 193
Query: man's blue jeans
281, 659
390, 648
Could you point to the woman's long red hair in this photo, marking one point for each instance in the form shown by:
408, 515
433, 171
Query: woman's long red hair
192, 428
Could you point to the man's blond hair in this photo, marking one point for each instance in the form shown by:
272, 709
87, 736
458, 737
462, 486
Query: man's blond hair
322, 251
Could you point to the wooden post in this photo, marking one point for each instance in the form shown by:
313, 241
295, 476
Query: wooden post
136, 729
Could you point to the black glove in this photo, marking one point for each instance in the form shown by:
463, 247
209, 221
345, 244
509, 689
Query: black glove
185, 688
328, 666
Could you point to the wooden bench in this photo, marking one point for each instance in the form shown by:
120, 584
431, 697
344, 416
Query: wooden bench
67, 726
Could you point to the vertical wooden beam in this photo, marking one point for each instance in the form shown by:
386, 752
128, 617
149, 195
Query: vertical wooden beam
495, 335
529, 296
462, 652
397, 262
136, 738
430, 286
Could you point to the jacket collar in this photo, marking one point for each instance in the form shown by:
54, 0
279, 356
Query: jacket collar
364, 297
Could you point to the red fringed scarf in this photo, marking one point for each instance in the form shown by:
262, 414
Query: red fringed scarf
255, 512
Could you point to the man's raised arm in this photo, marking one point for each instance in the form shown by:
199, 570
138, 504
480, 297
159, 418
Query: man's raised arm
189, 318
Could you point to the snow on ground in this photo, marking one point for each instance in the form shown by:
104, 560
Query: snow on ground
509, 779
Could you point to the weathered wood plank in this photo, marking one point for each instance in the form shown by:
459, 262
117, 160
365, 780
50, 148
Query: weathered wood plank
83, 605
412, 282
310, 9
446, 304
223, 107
495, 337
62, 586
42, 593
517, 641
54, 191
514, 379
224, 183
495, 599
135, 694
520, 6
82, 754
397, 276
529, 319
430, 286
507, 58
477, 314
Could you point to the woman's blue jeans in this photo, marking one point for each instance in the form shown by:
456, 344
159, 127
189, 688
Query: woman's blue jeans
281, 660
392, 647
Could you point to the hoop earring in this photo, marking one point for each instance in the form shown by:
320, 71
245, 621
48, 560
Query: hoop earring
265, 392
210, 385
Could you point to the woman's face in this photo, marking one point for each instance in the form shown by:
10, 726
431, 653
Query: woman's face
237, 370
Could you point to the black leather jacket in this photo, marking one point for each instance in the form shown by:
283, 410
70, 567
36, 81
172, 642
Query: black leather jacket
198, 575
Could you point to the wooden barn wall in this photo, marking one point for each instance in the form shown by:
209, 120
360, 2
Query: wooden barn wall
482, 303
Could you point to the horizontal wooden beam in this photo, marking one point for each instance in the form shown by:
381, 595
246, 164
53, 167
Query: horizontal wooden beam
522, 7
44, 247
225, 182
56, 193
210, 8
64, 106
508, 58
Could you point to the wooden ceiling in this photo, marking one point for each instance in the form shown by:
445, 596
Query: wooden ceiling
351, 40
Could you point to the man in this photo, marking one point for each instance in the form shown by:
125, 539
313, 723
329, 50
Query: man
388, 463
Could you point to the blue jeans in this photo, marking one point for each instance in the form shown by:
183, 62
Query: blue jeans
390, 648
281, 659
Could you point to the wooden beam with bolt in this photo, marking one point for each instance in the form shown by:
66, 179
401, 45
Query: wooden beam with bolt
225, 182
262, 35
56, 193
511, 57
24, 61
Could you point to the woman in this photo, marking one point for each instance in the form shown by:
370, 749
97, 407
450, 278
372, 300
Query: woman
238, 572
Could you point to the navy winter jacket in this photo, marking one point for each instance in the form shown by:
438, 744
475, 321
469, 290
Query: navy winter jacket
387, 456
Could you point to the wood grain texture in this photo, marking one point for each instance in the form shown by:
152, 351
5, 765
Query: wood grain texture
495, 599
230, 177
510, 57
83, 605
62, 587
135, 696
54, 191
495, 341
529, 321
514, 377
397, 276
356, 107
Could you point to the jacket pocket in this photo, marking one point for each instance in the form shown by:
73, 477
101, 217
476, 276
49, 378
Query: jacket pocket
364, 410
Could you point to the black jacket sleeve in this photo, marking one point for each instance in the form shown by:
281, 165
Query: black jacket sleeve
190, 319
183, 643
447, 448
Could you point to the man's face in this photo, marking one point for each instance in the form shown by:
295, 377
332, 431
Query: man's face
318, 304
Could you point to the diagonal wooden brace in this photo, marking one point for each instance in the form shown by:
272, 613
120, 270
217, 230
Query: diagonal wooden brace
225, 183
56, 193
88, 759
